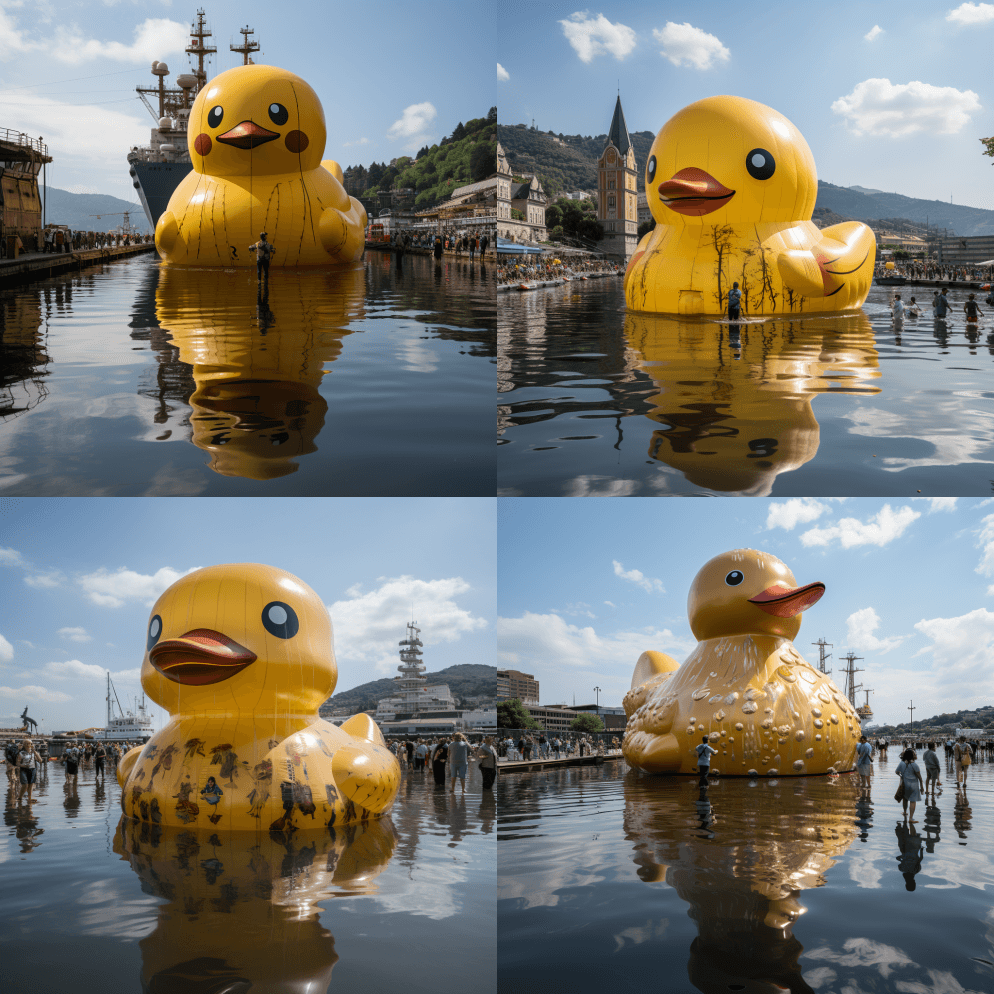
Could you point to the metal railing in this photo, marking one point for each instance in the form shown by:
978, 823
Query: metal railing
25, 141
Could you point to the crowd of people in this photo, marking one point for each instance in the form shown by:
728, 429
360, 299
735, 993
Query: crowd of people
447, 754
512, 271
915, 269
539, 745
941, 307
468, 243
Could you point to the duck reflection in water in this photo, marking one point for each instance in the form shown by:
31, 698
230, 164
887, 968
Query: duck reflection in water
240, 911
736, 405
764, 843
258, 353
911, 844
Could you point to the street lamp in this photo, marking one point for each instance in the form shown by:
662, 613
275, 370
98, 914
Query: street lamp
598, 692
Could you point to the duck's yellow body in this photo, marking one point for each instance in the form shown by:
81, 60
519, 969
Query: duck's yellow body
731, 184
745, 687
256, 135
241, 657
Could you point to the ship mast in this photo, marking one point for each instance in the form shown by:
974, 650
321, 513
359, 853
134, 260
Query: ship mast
197, 47
851, 671
823, 657
246, 45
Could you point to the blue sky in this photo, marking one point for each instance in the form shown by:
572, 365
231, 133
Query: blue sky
889, 96
78, 576
391, 76
587, 585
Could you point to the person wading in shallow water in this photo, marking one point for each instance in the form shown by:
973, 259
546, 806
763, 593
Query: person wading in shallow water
263, 250
704, 754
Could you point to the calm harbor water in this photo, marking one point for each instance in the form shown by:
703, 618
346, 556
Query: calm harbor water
811, 884
597, 401
89, 904
134, 380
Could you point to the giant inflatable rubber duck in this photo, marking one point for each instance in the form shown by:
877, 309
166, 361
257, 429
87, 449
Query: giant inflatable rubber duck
241, 656
735, 404
256, 135
745, 686
259, 360
732, 186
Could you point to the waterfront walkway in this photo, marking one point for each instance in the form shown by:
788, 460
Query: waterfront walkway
31, 266
524, 765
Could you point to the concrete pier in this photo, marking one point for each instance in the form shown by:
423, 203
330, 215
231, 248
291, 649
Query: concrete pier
41, 265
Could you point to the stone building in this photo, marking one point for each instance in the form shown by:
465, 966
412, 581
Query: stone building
522, 193
617, 191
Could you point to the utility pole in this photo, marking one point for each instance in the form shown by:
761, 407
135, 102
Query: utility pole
912, 710
851, 671
823, 656
597, 690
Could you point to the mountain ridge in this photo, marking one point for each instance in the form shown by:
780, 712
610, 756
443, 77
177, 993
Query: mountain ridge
463, 679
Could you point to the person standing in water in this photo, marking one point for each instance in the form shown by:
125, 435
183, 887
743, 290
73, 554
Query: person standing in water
734, 299
864, 761
263, 250
704, 754
972, 309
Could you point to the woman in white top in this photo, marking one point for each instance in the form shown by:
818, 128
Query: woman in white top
27, 765
911, 775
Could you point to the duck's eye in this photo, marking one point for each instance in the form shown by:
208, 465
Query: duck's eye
214, 116
278, 114
734, 578
760, 164
154, 631
280, 619
650, 169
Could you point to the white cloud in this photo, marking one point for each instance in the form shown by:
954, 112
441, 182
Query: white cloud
43, 581
6, 650
862, 624
864, 953
73, 669
413, 120
592, 36
795, 511
75, 634
360, 141
578, 609
155, 38
939, 503
883, 527
879, 107
369, 625
647, 583
113, 589
972, 13
986, 539
609, 604
32, 693
685, 44
502, 73
873, 32
942, 982
10, 557
963, 653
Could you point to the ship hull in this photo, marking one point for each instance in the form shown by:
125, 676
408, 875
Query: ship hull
155, 183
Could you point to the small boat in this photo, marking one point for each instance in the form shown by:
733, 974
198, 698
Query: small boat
890, 280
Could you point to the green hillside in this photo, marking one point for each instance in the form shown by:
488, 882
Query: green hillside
945, 723
92, 211
468, 155
464, 680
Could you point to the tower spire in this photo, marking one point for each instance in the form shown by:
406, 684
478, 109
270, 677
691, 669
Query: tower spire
618, 135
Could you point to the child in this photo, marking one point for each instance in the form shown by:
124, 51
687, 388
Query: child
971, 308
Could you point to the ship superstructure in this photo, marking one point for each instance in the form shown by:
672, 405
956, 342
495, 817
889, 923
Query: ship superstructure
157, 168
125, 724
414, 696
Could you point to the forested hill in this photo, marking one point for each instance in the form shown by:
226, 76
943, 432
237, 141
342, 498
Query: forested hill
464, 680
565, 163
967, 718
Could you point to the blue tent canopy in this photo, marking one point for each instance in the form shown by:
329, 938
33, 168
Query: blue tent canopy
504, 247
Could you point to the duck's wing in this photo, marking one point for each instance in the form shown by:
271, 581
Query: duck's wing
367, 772
127, 763
845, 253
651, 664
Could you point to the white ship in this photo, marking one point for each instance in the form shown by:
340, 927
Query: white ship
415, 697
125, 724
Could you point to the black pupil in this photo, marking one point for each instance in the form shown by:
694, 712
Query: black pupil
652, 168
278, 113
734, 578
760, 164
215, 115
279, 619
154, 630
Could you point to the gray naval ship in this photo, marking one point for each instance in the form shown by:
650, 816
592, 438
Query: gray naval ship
157, 168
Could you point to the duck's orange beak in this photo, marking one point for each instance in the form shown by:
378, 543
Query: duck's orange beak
785, 602
694, 192
199, 657
247, 135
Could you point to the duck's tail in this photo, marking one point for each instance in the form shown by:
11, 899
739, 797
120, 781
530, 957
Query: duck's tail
650, 664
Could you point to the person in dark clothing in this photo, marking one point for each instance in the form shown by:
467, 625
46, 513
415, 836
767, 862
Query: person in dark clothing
263, 250
410, 754
971, 309
439, 757
488, 762
484, 242
941, 305
439, 249
734, 298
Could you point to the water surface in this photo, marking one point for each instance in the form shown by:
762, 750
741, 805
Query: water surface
135, 379
800, 884
93, 904
595, 400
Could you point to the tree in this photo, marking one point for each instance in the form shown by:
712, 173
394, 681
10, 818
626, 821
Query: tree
590, 228
492, 115
422, 151
553, 216
512, 714
482, 160
645, 227
516, 214
586, 723
459, 133
988, 144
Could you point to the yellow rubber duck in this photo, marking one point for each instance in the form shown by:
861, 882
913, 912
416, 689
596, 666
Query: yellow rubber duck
241, 656
745, 687
732, 186
736, 404
256, 135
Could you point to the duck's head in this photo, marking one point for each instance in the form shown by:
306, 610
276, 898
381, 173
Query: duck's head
728, 160
239, 638
256, 120
744, 592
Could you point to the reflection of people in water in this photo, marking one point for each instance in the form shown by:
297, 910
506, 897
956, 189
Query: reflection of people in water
864, 814
705, 812
910, 860
735, 409
933, 824
962, 813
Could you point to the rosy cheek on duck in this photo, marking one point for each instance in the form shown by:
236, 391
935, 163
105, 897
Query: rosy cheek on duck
296, 141
202, 144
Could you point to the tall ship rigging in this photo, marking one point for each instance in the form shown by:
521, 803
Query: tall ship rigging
157, 168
